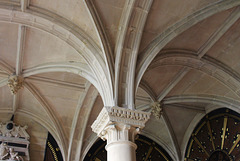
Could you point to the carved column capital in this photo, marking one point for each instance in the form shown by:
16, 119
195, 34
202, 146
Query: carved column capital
119, 124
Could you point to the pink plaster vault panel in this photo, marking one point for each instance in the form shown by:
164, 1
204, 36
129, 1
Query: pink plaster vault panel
158, 78
196, 36
227, 48
63, 76
62, 101
165, 13
6, 98
72, 10
8, 43
180, 120
44, 48
28, 102
110, 13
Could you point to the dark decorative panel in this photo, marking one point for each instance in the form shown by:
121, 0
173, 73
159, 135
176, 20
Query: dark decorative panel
215, 138
52, 152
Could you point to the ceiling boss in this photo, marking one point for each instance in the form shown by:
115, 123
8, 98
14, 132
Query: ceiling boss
15, 83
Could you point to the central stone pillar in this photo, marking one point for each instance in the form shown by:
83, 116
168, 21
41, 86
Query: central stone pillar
119, 127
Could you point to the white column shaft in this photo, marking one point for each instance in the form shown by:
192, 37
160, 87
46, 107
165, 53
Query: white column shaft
121, 150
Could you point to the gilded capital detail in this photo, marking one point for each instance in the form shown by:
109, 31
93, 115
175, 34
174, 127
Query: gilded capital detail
115, 123
15, 83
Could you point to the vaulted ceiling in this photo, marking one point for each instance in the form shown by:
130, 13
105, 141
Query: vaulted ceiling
77, 56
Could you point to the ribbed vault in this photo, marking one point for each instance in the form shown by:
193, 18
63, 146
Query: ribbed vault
77, 56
